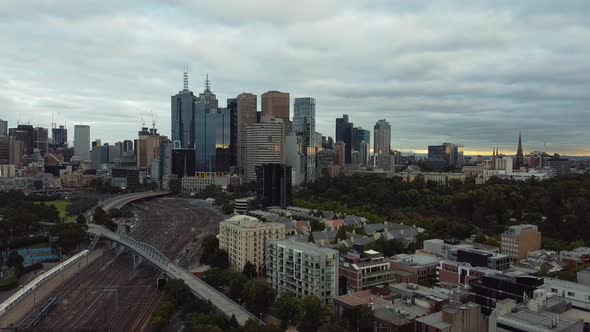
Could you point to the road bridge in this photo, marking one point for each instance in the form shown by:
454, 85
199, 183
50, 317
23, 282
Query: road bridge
197, 286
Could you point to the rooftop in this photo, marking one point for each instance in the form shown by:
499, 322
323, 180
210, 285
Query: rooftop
309, 248
399, 312
247, 222
364, 298
566, 284
414, 259
540, 320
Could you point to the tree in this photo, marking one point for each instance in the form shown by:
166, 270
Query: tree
249, 270
70, 235
210, 244
175, 186
236, 286
314, 315
341, 234
219, 259
258, 296
228, 208
15, 260
310, 238
362, 319
81, 220
289, 309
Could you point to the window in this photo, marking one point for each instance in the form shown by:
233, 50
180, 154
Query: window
571, 294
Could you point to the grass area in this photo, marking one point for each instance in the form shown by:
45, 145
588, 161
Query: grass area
61, 207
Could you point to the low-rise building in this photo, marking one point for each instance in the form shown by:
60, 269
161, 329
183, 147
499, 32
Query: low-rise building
241, 205
458, 318
244, 238
358, 273
490, 289
574, 257
482, 258
421, 267
575, 293
507, 316
461, 273
199, 183
302, 269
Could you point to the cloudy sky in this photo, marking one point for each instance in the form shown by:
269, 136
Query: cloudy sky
468, 72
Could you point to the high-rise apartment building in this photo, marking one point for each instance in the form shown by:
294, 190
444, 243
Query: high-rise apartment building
148, 146
275, 104
264, 145
245, 238
273, 185
519, 240
59, 137
82, 142
304, 110
302, 268
345, 133
246, 116
183, 117
382, 137
3, 128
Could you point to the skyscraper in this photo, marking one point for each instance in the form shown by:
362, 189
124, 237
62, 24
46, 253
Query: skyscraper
148, 146
519, 160
344, 133
382, 137
361, 135
3, 128
304, 126
232, 106
246, 114
275, 104
340, 149
212, 133
82, 142
264, 145
24, 133
183, 117
59, 137
41, 139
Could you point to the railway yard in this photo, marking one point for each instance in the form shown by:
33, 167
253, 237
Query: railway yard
109, 294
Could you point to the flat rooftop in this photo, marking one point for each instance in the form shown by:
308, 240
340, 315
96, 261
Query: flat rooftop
540, 320
414, 259
306, 247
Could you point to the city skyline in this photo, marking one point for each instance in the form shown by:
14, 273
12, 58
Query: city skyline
433, 83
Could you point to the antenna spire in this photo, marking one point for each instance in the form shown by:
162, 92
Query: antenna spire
207, 83
186, 80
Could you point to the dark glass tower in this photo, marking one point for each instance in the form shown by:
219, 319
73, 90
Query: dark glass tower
183, 117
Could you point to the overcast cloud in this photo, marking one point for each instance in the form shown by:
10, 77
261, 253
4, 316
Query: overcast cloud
468, 72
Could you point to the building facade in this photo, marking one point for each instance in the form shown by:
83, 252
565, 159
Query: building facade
382, 137
345, 133
82, 142
361, 273
264, 145
519, 240
244, 238
183, 117
273, 185
304, 112
275, 104
246, 117
303, 269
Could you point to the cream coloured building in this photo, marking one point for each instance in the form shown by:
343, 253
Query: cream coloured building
244, 238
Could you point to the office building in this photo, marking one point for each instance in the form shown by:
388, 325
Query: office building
264, 145
24, 133
519, 240
212, 133
183, 117
447, 155
458, 318
292, 158
364, 153
41, 139
82, 142
302, 268
273, 185
304, 110
59, 137
232, 106
245, 238
362, 272
5, 149
340, 153
483, 258
382, 137
7, 171
275, 104
99, 154
461, 273
490, 289
344, 133
3, 128
325, 159
16, 151
183, 162
125, 178
503, 163
246, 117
559, 166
